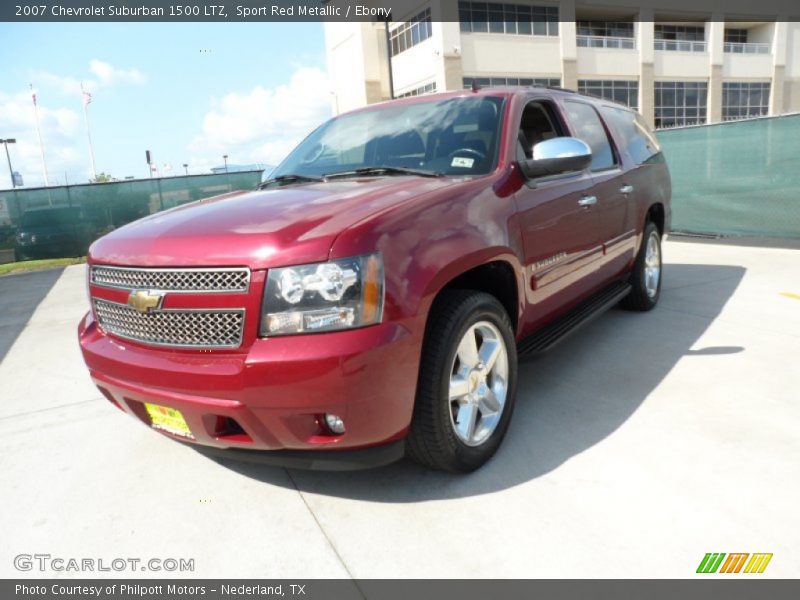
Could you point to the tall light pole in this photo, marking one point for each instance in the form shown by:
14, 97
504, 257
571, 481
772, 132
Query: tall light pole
225, 158
5, 143
186, 167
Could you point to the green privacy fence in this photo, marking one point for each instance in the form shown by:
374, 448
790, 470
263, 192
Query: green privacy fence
736, 178
63, 220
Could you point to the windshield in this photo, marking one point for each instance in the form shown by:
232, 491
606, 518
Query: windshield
457, 136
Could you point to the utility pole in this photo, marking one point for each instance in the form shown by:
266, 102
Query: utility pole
389, 58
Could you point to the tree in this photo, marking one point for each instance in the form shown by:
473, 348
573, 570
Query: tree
102, 178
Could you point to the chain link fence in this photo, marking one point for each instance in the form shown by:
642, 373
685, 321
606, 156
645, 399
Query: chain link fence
738, 178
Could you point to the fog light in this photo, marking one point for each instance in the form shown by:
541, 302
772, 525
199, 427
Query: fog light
334, 423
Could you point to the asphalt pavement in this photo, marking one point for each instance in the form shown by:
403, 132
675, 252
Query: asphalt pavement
637, 446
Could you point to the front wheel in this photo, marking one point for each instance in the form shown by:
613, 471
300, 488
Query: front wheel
646, 276
467, 383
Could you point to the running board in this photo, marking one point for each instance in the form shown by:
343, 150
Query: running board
555, 332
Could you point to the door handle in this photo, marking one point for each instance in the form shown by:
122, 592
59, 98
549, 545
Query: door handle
587, 200
626, 189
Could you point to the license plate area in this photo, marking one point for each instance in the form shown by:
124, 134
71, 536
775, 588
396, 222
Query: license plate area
168, 419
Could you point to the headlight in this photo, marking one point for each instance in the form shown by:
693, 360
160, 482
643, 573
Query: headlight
326, 296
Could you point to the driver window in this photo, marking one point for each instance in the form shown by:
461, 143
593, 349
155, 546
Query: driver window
537, 125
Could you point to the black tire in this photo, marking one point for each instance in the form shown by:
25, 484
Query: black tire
640, 298
432, 440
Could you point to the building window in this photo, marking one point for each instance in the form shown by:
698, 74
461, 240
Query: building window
736, 43
412, 32
605, 34
680, 103
682, 38
736, 36
518, 19
513, 81
428, 88
624, 92
743, 99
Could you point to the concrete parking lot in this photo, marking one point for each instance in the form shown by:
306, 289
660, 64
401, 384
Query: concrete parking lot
638, 445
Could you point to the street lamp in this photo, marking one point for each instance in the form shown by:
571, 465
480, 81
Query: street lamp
225, 158
186, 167
8, 157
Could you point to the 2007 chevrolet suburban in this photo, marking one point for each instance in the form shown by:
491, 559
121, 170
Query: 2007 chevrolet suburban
372, 297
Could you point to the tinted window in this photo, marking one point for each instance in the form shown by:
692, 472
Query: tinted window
587, 126
634, 135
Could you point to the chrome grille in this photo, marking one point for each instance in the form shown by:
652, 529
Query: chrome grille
172, 280
191, 328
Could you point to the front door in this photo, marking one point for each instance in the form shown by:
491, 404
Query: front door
559, 222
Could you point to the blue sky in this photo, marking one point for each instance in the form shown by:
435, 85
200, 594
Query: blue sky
188, 92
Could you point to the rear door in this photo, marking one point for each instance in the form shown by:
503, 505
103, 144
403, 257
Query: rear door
611, 188
642, 156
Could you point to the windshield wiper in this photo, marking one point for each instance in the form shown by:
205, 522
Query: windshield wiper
291, 178
384, 171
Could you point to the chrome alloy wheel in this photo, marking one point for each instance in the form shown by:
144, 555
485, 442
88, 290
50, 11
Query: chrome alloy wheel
478, 383
652, 265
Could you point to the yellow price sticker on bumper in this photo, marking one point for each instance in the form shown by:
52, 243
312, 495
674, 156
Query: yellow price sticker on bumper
168, 419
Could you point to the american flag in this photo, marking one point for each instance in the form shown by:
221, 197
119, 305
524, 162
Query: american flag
33, 95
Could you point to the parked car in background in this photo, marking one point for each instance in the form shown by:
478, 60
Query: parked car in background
52, 232
373, 297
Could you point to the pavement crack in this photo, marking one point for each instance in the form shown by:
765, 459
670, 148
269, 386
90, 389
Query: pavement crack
325, 533
49, 408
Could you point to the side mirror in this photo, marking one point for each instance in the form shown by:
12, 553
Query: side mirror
557, 156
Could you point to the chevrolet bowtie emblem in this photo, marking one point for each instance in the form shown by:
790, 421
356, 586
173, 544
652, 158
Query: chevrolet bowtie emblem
144, 301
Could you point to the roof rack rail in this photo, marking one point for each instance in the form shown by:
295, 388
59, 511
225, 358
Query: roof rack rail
554, 87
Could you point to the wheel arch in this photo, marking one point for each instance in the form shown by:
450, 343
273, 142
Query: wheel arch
657, 215
497, 277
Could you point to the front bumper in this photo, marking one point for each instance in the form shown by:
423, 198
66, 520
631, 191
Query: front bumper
275, 392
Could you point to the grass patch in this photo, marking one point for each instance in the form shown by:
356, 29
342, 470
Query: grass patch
36, 265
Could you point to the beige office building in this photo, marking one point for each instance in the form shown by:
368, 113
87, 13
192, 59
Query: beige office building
676, 68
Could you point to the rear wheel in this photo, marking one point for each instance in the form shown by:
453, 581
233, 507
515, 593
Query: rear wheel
467, 383
646, 276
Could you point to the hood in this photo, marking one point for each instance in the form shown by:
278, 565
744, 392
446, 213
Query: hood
258, 229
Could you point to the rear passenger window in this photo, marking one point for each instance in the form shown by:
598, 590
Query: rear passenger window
587, 126
634, 134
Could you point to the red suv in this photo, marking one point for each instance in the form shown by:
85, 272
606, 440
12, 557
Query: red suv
372, 298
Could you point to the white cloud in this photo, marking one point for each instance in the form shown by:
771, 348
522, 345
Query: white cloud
263, 125
64, 84
60, 132
103, 74
108, 74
